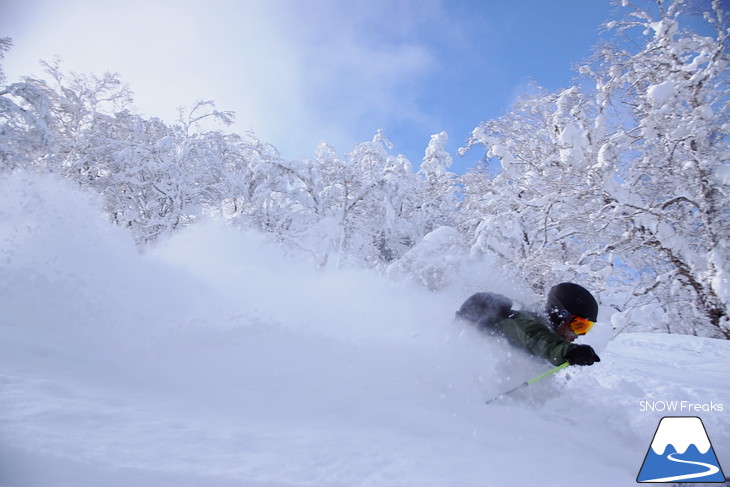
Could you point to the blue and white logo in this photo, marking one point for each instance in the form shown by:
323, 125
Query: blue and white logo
680, 452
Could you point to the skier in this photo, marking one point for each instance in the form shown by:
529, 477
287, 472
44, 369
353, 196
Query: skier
571, 311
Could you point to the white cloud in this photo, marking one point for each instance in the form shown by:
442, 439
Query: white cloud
349, 69
295, 72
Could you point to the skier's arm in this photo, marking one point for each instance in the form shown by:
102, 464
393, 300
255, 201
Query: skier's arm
526, 332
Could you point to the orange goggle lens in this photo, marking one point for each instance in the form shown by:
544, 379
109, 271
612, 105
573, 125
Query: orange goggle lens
580, 326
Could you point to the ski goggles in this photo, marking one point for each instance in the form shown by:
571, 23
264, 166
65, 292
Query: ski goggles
580, 326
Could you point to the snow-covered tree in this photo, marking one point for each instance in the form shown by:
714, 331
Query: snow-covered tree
667, 190
375, 204
27, 137
437, 193
535, 212
5, 45
78, 103
622, 185
159, 178
26, 122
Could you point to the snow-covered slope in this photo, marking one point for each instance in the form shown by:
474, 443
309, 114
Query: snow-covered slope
213, 360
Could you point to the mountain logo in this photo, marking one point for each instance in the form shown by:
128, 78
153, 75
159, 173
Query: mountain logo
680, 452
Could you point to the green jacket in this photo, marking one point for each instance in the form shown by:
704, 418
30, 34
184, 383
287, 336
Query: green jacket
533, 333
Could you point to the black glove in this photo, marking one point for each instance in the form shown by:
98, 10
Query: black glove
581, 355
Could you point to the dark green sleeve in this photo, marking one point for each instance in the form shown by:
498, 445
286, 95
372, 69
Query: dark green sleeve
528, 332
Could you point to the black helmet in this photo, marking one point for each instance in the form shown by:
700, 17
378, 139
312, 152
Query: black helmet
568, 298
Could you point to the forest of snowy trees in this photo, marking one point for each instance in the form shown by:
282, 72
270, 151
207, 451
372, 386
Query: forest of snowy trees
619, 182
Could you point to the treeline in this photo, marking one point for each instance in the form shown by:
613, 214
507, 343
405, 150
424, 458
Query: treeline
619, 182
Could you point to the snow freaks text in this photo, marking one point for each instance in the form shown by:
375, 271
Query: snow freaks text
680, 407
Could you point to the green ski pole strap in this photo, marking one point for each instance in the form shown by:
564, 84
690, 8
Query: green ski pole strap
551, 371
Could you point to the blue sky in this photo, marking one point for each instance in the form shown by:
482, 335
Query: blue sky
299, 72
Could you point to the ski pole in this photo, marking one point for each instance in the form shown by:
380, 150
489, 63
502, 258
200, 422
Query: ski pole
528, 382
